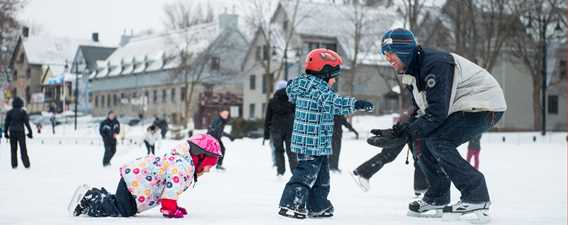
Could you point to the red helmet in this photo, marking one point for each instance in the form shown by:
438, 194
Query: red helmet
323, 62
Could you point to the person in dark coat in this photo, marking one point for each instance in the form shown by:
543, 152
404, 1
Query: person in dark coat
278, 128
338, 123
52, 119
109, 130
216, 129
16, 119
163, 125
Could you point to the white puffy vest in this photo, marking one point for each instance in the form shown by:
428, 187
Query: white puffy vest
473, 90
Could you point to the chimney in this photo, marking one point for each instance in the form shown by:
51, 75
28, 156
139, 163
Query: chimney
95, 37
25, 31
228, 21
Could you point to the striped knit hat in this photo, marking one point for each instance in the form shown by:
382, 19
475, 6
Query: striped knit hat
401, 42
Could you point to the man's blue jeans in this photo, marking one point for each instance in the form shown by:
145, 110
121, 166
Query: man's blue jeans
441, 162
309, 185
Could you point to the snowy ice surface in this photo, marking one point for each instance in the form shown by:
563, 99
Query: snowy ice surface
527, 182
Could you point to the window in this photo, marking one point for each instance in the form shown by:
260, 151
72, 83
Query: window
15, 77
115, 99
258, 55
562, 69
285, 25
263, 108
96, 101
183, 93
265, 52
28, 94
155, 97
252, 82
29, 73
102, 101
251, 111
312, 45
215, 63
173, 96
109, 101
265, 83
164, 96
332, 46
122, 96
553, 104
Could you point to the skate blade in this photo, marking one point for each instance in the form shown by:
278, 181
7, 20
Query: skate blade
475, 217
356, 179
78, 194
434, 213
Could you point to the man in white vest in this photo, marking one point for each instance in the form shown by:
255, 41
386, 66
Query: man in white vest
454, 101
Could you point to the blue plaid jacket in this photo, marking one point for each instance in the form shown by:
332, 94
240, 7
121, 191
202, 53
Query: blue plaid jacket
316, 104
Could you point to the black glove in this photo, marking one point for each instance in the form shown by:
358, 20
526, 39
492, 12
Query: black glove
266, 135
6, 135
388, 138
356, 135
30, 135
364, 105
387, 141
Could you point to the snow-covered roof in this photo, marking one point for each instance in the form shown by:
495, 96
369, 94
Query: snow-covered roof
158, 51
336, 21
53, 50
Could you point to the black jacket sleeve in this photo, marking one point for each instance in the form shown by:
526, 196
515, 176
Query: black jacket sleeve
438, 87
27, 122
268, 120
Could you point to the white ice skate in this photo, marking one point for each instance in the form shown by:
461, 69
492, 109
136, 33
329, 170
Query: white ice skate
420, 208
362, 182
79, 193
476, 213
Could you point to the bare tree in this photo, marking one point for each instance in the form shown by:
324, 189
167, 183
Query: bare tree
539, 19
8, 26
361, 27
259, 19
181, 16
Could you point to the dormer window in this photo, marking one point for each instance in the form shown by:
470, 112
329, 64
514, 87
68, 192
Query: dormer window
215, 63
285, 25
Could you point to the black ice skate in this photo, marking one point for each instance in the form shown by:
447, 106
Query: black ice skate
323, 214
477, 213
421, 208
291, 213
75, 207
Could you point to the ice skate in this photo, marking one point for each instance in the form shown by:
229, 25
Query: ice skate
420, 208
476, 213
74, 207
362, 182
323, 214
291, 213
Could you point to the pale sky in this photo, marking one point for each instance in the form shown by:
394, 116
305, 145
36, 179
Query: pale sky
80, 18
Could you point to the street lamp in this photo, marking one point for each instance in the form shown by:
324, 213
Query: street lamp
76, 64
542, 25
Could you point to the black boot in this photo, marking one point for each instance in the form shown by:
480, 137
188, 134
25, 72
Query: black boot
85, 203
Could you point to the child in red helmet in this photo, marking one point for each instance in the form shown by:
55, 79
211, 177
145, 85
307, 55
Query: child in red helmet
316, 104
151, 181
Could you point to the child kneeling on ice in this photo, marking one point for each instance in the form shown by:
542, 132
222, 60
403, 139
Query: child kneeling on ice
151, 181
316, 104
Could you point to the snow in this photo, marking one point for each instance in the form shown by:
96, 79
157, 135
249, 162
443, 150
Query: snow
527, 181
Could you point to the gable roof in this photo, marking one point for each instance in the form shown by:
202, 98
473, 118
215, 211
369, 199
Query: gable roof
334, 22
94, 53
152, 52
46, 50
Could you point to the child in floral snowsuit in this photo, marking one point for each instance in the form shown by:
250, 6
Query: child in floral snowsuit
316, 104
152, 180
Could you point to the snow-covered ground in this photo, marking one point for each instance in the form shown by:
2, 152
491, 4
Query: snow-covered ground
527, 182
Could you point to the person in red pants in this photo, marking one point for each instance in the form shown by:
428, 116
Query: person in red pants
473, 149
